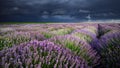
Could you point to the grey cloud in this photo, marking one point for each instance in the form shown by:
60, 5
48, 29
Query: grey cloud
54, 6
67, 9
84, 11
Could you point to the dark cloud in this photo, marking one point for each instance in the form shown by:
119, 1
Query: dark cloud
60, 9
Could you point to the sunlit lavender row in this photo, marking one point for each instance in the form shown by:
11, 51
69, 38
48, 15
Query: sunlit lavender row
60, 45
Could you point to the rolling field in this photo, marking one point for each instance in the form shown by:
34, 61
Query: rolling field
60, 45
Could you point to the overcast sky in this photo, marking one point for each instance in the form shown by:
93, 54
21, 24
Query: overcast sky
58, 10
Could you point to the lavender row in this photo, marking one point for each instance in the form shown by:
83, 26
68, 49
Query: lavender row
15, 38
40, 54
79, 47
108, 47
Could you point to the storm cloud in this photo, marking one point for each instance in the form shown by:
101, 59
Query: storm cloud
59, 9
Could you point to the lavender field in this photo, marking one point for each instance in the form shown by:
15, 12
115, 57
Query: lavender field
60, 45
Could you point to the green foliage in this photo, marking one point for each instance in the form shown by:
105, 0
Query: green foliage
47, 35
62, 31
72, 46
83, 37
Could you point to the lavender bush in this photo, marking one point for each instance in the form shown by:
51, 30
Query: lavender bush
43, 54
11, 39
79, 47
108, 46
